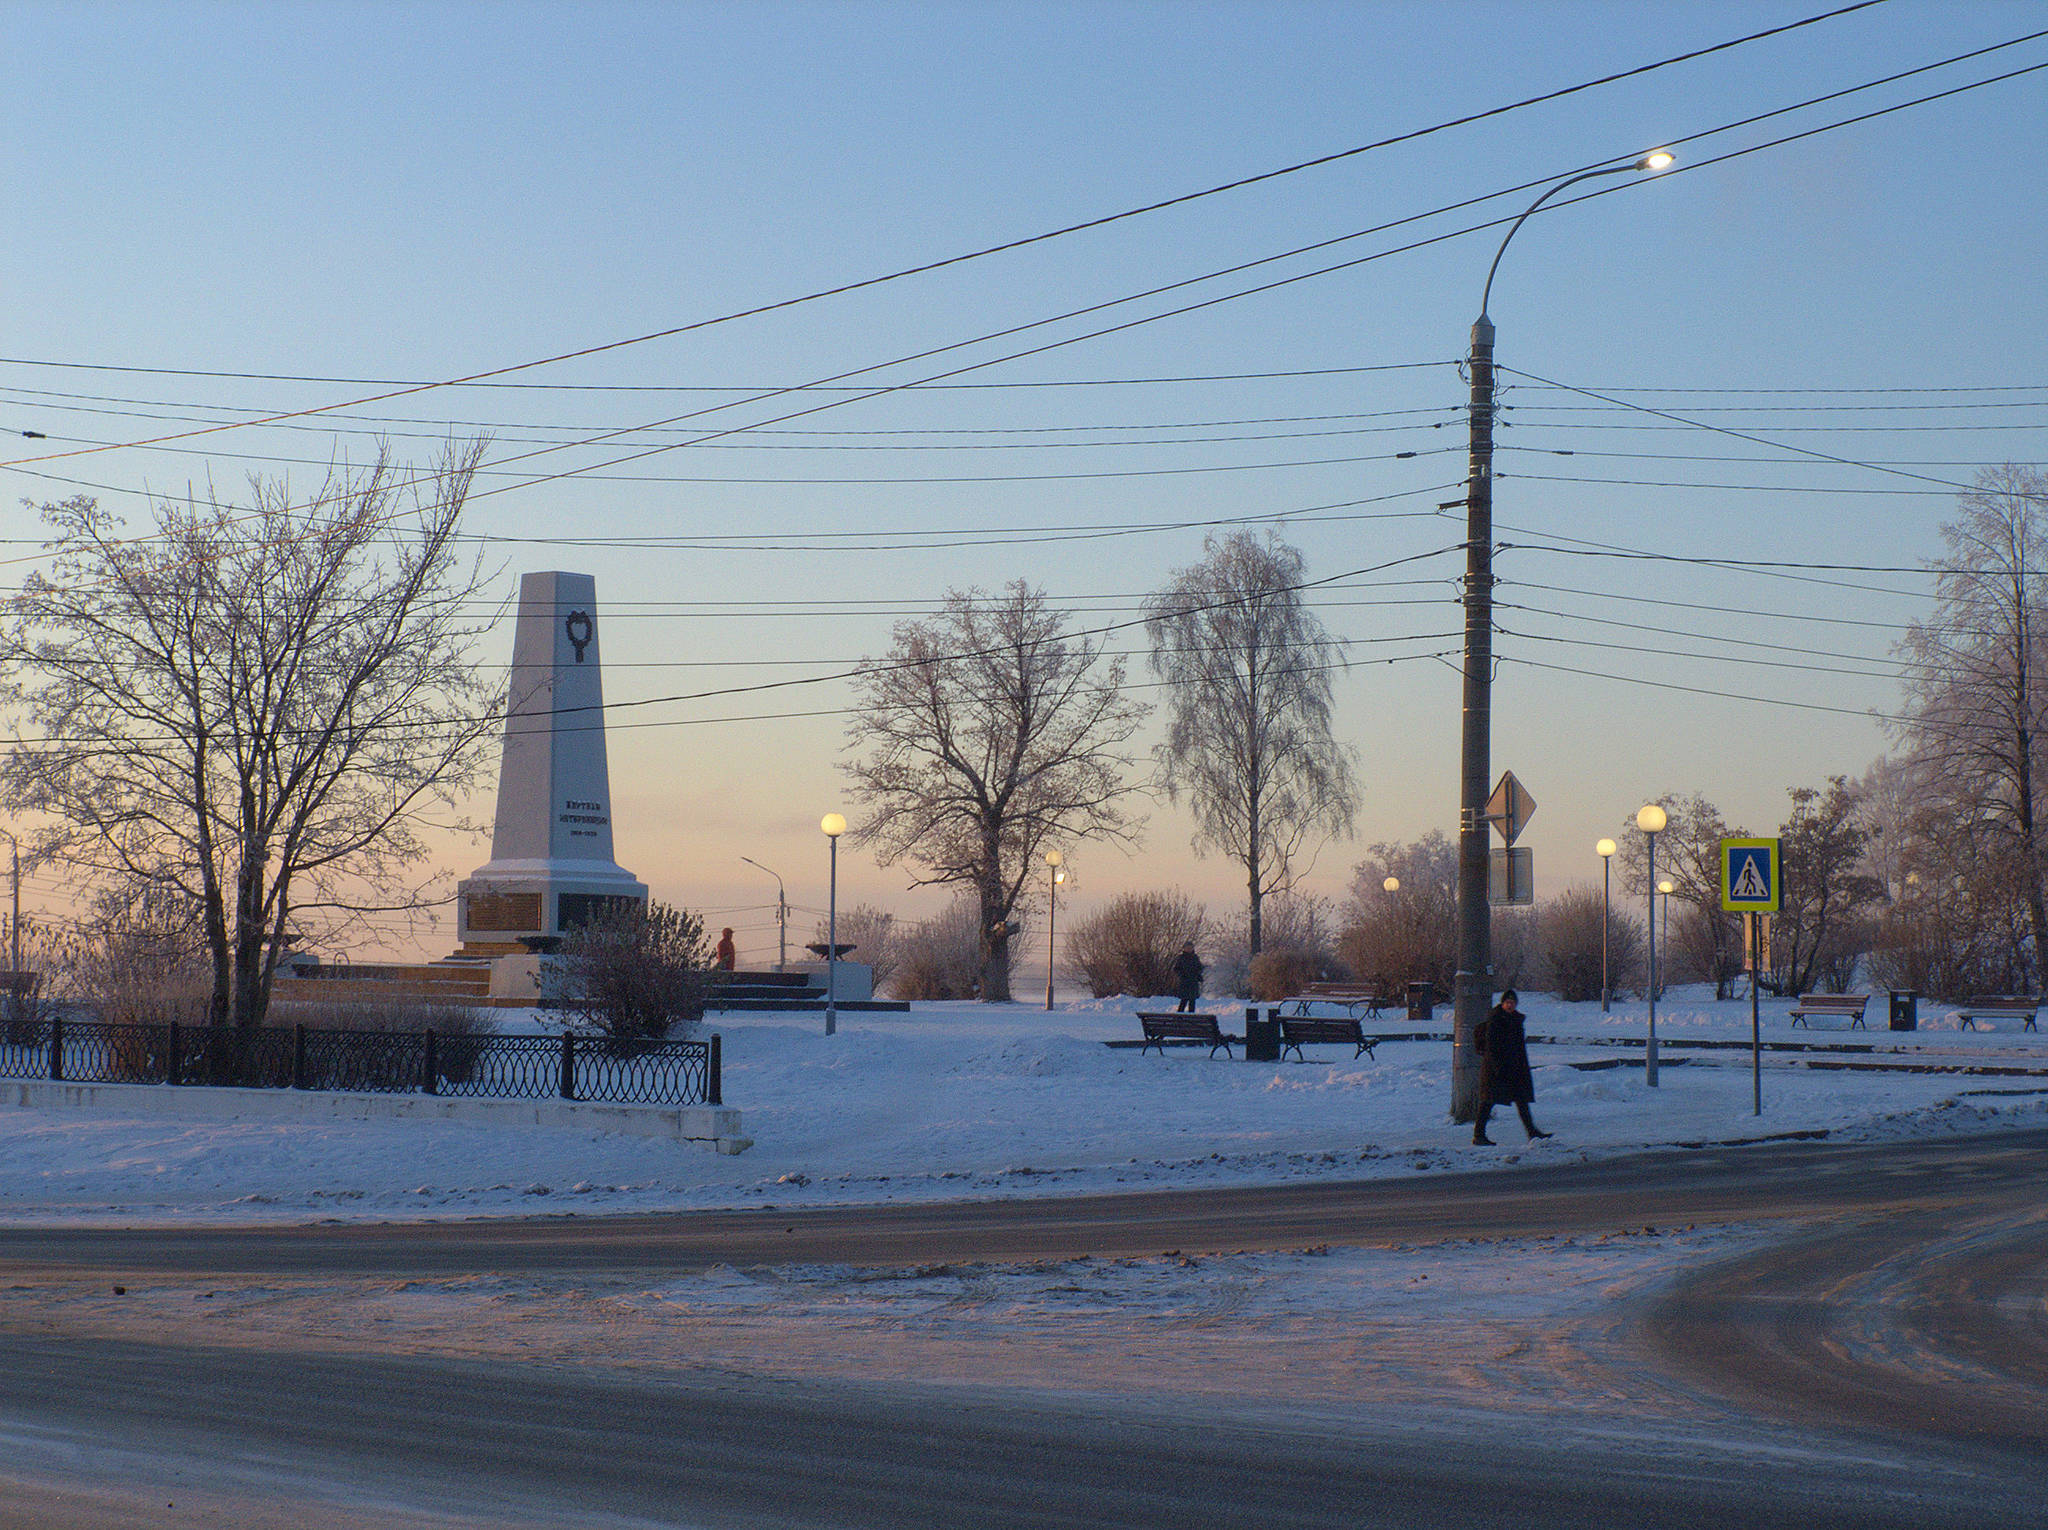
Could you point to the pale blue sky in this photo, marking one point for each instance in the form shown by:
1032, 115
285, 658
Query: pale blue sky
418, 192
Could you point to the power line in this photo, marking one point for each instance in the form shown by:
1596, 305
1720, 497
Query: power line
1665, 684
1133, 212
1214, 275
1268, 286
1695, 605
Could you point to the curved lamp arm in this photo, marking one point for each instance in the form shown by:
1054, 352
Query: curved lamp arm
1655, 161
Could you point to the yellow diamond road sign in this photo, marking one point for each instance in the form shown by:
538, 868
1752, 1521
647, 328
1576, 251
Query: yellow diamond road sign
1752, 875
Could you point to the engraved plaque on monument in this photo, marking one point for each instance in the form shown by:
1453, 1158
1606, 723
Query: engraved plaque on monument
551, 865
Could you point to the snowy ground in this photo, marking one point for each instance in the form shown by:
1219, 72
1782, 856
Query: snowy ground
975, 1101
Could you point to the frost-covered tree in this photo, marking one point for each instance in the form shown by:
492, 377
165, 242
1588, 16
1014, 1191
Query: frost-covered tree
987, 734
252, 709
1248, 746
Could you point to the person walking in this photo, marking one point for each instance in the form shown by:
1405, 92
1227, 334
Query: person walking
725, 953
1504, 1069
1187, 972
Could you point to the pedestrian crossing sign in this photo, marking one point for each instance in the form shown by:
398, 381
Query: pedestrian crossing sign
1751, 876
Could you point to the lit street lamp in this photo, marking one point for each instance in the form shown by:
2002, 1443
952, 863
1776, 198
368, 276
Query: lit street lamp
1053, 861
834, 825
1651, 820
1605, 850
781, 914
1474, 982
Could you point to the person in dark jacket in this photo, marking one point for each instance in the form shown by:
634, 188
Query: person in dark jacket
1504, 1069
1187, 972
725, 954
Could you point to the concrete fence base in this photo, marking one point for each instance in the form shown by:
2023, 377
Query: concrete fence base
715, 1126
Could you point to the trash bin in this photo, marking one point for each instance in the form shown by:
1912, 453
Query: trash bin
1261, 1037
1905, 1009
1421, 1000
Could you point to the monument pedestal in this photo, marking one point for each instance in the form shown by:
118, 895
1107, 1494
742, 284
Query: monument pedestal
551, 866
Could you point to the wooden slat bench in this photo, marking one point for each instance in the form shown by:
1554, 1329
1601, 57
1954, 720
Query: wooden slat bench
1848, 1005
1297, 1032
1371, 997
1984, 1009
1197, 1029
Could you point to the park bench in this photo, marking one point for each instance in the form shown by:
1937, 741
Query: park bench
1297, 1032
1983, 1009
1372, 997
1848, 1005
1197, 1030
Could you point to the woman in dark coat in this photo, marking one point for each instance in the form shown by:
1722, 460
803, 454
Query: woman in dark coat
1504, 1069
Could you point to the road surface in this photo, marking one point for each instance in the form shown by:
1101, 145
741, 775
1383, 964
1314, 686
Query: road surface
1878, 1355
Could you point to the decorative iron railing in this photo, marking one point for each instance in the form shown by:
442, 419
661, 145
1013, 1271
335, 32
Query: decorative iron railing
381, 1062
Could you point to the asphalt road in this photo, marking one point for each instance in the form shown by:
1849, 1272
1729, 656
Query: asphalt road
1885, 1363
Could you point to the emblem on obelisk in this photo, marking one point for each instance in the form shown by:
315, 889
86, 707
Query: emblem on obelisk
579, 630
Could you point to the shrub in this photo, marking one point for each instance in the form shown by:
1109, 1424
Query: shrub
135, 961
1411, 933
1571, 944
1128, 945
633, 975
1289, 921
940, 958
1282, 974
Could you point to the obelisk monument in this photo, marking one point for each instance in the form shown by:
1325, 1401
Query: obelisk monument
551, 866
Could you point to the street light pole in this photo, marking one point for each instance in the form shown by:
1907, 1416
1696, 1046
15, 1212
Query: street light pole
1667, 887
781, 914
1605, 850
834, 825
1651, 819
1474, 980
1053, 860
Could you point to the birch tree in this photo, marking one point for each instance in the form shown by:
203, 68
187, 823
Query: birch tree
1249, 746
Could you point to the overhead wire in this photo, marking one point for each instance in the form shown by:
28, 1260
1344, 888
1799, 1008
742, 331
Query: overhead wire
1267, 286
1238, 183
1160, 290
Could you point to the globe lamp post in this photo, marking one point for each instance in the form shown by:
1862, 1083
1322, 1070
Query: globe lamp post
1057, 874
1651, 819
1605, 850
834, 825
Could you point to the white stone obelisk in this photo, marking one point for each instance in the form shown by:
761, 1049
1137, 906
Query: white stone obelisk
551, 865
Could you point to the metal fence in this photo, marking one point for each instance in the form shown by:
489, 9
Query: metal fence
380, 1062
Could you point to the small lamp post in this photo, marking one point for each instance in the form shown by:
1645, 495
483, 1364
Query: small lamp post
1056, 869
834, 825
1605, 850
1651, 819
1391, 885
1667, 887
781, 914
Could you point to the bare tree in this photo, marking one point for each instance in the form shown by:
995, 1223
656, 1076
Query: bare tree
1247, 667
1975, 698
989, 733
1823, 926
253, 709
1408, 932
